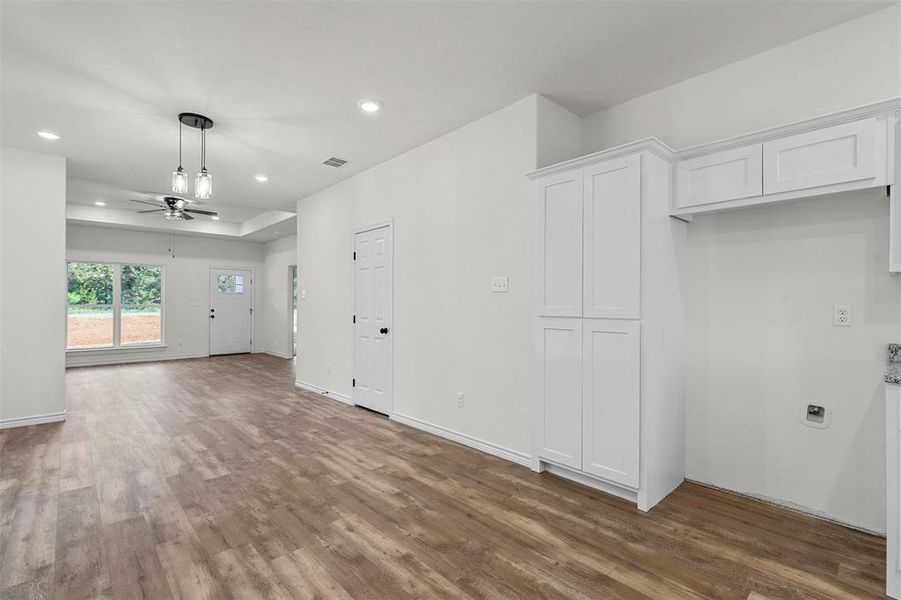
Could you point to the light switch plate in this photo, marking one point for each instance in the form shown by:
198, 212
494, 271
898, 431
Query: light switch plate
500, 284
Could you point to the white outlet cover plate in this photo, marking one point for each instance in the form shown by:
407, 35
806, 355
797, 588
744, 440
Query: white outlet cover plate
842, 315
500, 284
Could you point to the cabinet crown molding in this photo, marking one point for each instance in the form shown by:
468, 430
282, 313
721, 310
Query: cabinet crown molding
650, 144
881, 108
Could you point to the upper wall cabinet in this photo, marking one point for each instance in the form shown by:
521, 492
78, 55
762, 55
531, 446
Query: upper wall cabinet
837, 154
558, 270
720, 176
841, 152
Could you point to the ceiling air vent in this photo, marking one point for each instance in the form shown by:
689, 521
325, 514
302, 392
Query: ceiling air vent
334, 162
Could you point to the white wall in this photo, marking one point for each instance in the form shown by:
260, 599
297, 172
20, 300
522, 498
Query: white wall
558, 134
276, 310
852, 64
761, 283
186, 294
461, 209
32, 296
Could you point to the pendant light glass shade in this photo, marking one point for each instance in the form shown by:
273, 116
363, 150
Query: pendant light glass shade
179, 177
179, 181
203, 185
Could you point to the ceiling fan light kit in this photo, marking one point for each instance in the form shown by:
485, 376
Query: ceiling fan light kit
174, 209
203, 182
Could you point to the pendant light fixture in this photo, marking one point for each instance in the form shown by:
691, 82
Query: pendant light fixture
203, 182
179, 177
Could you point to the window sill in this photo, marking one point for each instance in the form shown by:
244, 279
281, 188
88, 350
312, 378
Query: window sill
135, 348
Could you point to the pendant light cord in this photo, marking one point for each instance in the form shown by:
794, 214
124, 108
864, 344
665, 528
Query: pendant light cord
179, 144
202, 148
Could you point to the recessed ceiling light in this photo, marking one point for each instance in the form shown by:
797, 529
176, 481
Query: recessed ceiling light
48, 135
215, 217
261, 178
100, 203
370, 106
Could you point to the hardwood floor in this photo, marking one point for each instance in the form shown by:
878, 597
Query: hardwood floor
213, 478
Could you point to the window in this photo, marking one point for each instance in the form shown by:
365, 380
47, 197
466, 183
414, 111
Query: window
113, 305
230, 284
90, 314
141, 294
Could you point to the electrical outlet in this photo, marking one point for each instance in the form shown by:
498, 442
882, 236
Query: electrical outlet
816, 414
500, 284
459, 399
841, 315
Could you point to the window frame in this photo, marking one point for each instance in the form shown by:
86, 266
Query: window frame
117, 307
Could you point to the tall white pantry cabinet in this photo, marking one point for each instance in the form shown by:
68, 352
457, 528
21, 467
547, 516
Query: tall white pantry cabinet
608, 323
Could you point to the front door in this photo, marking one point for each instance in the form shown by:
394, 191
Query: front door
231, 311
373, 298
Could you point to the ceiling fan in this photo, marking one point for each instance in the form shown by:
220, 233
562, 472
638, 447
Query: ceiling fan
174, 209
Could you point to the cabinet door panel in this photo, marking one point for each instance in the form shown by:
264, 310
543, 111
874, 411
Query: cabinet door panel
612, 239
826, 156
721, 176
611, 374
559, 418
558, 245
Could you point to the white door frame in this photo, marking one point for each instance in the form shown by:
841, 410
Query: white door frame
292, 269
253, 304
353, 289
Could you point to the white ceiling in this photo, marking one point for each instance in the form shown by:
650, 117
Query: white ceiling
80, 191
282, 80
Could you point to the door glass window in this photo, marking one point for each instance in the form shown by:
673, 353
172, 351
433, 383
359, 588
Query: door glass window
230, 284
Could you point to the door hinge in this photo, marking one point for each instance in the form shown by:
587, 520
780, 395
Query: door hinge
353, 383
355, 318
355, 255
251, 310
888, 190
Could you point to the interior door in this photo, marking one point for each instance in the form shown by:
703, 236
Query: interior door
231, 311
611, 399
373, 302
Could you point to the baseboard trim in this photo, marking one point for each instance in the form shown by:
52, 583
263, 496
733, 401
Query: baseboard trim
309, 387
273, 353
788, 505
127, 359
33, 420
515, 456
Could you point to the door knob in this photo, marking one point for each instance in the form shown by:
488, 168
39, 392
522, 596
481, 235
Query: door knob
212, 316
383, 330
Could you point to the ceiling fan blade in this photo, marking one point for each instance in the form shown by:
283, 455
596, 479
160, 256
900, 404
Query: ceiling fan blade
199, 212
145, 202
186, 217
141, 212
